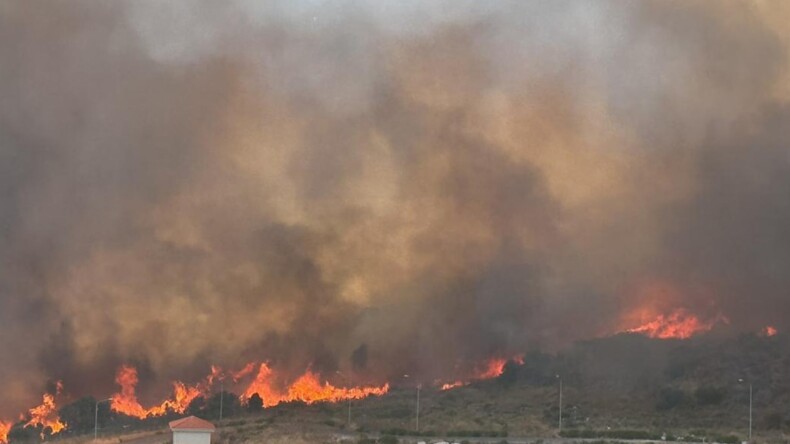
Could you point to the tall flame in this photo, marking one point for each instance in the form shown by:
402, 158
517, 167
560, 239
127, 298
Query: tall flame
492, 369
307, 388
4, 429
262, 385
46, 414
126, 401
679, 324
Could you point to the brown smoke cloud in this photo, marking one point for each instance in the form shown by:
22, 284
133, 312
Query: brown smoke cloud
435, 184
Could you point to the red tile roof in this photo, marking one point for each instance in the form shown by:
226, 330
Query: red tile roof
191, 423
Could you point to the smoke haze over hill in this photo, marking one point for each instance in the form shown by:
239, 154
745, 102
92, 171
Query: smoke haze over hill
389, 186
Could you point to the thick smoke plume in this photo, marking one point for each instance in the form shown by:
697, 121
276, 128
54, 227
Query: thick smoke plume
381, 187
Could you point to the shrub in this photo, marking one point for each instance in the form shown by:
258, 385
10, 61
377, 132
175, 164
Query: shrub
255, 403
669, 398
476, 433
773, 421
612, 434
396, 432
727, 439
707, 395
388, 439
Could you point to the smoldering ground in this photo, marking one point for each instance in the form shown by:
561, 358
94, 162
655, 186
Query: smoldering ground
188, 184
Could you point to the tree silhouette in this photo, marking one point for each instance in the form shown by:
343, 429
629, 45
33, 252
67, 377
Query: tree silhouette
255, 403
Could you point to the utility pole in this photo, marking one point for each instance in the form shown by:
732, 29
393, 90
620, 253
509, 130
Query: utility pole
348, 386
750, 412
96, 418
418, 408
750, 407
417, 413
221, 396
349, 401
560, 404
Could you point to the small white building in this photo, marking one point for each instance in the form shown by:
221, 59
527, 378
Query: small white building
191, 430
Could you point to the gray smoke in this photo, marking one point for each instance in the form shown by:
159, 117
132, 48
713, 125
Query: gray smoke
386, 187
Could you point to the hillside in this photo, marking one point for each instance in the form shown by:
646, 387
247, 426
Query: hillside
684, 388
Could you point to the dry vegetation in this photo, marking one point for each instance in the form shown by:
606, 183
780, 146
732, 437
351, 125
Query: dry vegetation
614, 388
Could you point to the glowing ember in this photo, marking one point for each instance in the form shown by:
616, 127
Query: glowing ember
768, 331
679, 324
492, 369
4, 428
46, 414
126, 401
452, 385
307, 388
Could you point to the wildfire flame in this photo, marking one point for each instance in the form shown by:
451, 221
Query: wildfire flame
493, 368
246, 371
768, 331
307, 388
679, 324
452, 385
126, 401
44, 415
4, 428
216, 373
490, 369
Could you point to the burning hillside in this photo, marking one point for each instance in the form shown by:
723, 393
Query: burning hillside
489, 369
307, 388
678, 324
588, 365
254, 378
299, 189
126, 400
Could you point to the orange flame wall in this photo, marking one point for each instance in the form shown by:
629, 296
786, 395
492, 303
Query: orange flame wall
44, 415
126, 401
679, 324
307, 388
